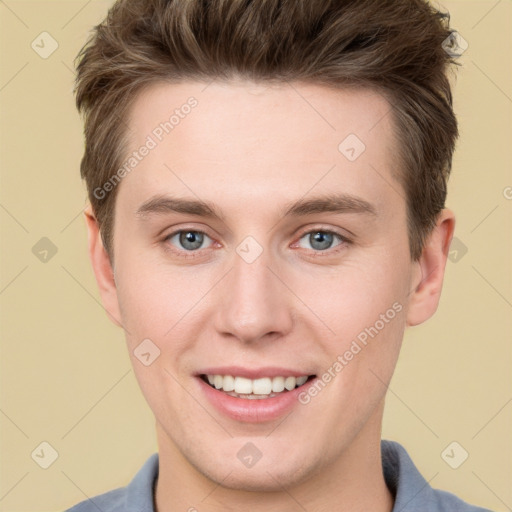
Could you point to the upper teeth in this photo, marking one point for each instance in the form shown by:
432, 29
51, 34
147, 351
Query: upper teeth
263, 386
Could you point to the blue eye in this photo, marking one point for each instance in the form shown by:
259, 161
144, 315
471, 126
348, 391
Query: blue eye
187, 243
322, 240
188, 239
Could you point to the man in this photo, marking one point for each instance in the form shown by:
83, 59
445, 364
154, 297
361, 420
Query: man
267, 184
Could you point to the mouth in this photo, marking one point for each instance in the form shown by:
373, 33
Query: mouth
255, 389
254, 395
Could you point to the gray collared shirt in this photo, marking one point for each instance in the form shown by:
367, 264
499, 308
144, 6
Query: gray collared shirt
412, 492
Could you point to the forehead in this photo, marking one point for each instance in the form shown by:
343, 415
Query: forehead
256, 139
225, 107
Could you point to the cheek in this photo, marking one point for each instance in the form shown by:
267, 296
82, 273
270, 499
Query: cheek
163, 303
354, 298
363, 309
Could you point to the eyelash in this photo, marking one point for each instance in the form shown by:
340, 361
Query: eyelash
344, 241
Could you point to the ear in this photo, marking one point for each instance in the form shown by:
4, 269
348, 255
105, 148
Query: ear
102, 267
426, 290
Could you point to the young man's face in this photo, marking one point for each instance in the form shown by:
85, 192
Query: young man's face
258, 292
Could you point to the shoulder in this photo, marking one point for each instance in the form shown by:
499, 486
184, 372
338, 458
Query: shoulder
412, 492
111, 501
137, 496
448, 502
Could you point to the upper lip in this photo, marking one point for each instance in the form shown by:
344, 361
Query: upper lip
254, 373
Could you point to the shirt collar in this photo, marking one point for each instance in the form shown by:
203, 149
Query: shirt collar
411, 491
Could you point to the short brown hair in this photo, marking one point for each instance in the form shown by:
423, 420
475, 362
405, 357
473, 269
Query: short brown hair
394, 47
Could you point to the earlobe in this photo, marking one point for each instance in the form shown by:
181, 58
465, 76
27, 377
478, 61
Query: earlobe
102, 267
428, 281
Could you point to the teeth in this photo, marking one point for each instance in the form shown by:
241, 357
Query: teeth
251, 396
228, 383
301, 380
278, 384
289, 383
242, 385
263, 386
218, 381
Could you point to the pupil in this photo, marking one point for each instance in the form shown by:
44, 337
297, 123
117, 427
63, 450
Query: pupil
191, 240
324, 240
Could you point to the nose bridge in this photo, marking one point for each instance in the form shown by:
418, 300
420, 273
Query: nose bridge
253, 302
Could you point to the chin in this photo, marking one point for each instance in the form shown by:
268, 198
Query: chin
269, 479
268, 474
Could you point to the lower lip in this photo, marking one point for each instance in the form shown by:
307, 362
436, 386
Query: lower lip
258, 410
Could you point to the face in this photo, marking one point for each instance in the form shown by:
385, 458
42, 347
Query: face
258, 245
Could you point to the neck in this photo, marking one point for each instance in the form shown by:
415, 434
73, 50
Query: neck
353, 482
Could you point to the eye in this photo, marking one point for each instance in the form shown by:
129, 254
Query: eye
191, 241
322, 240
187, 239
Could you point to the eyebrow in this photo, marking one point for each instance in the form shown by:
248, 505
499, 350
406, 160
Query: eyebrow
331, 203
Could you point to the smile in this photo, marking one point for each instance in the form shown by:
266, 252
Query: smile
251, 389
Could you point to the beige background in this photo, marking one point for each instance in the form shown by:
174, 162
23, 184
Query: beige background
65, 375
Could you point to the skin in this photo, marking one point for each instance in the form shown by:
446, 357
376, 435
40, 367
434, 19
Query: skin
252, 150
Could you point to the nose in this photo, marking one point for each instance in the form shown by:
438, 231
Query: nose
253, 302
